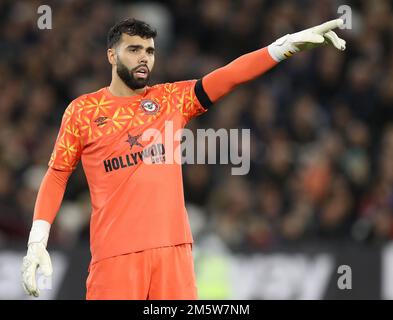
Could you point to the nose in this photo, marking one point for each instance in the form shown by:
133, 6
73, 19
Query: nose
143, 59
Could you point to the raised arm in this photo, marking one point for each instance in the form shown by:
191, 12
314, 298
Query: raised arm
249, 66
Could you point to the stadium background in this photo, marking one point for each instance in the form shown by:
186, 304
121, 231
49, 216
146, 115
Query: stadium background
320, 190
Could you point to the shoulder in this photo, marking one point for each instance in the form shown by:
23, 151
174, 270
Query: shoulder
91, 98
169, 87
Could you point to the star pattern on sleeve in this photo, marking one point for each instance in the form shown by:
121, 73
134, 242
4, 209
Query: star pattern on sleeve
181, 96
67, 150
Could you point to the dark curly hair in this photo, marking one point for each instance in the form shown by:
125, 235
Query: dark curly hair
132, 27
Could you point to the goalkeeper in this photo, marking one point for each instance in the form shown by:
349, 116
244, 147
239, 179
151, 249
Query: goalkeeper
140, 238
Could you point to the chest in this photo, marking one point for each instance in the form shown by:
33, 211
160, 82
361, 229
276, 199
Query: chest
127, 127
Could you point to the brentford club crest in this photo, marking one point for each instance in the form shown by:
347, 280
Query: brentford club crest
150, 106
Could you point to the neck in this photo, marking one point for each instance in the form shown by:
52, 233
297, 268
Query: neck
120, 89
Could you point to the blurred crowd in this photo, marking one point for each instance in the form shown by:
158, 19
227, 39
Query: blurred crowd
321, 123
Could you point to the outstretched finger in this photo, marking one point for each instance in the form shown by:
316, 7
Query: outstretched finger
327, 26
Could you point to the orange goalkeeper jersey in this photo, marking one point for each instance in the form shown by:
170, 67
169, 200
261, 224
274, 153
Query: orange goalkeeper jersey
136, 193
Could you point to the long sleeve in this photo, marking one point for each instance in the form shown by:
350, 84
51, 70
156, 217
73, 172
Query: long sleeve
50, 195
245, 68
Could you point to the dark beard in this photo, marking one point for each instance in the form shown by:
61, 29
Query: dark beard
128, 76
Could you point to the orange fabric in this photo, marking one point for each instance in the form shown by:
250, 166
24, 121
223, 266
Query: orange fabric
135, 206
50, 195
245, 68
157, 274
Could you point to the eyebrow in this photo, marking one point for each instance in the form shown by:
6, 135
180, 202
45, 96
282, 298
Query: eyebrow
138, 46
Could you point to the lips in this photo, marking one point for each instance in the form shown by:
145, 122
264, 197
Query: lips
142, 72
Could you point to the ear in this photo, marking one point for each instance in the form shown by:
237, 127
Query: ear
111, 53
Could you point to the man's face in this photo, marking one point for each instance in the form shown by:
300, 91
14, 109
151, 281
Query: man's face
134, 60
